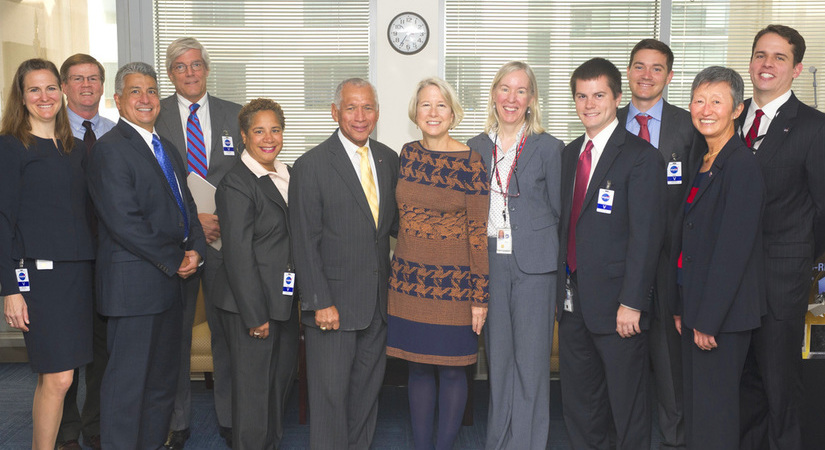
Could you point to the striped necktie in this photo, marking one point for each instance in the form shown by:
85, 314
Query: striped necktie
195, 148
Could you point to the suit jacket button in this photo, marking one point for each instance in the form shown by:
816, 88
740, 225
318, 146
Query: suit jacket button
690, 225
688, 258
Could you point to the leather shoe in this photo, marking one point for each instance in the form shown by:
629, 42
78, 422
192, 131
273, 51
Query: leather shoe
226, 434
177, 439
70, 445
92, 441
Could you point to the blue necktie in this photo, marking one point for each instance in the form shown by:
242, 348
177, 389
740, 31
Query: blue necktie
169, 172
195, 148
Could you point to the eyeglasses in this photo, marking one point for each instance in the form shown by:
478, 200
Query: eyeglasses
93, 79
498, 189
196, 66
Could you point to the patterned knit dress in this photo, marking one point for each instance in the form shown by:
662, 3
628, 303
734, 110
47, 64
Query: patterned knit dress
439, 269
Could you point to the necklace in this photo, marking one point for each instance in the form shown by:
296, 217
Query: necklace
709, 155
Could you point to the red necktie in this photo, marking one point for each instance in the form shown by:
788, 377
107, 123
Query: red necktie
750, 138
582, 176
644, 132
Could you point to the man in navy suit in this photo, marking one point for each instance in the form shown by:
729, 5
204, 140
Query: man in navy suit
668, 128
149, 241
342, 211
788, 138
611, 235
219, 140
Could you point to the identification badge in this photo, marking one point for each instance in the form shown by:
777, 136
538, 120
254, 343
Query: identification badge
504, 242
44, 264
22, 280
289, 283
568, 300
604, 204
674, 172
228, 148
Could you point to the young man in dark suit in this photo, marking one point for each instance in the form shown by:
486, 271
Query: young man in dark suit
204, 129
668, 128
788, 138
611, 236
342, 212
148, 241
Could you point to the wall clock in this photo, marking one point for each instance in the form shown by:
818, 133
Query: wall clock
408, 33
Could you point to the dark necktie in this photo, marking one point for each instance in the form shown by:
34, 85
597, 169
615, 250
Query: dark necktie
169, 172
582, 176
644, 132
195, 148
750, 138
89, 137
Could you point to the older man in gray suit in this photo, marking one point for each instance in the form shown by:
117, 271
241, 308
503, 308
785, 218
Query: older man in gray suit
342, 212
204, 129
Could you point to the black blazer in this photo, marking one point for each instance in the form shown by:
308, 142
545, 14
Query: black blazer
141, 230
720, 238
341, 258
256, 251
792, 159
616, 253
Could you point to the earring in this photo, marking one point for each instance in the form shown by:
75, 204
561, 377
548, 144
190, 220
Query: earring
528, 110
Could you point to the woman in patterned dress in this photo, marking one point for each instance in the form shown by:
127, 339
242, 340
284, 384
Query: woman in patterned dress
438, 288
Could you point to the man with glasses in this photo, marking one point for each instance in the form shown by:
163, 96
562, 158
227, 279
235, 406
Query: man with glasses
205, 131
82, 79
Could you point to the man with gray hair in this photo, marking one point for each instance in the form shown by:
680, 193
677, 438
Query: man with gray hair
205, 131
342, 212
148, 242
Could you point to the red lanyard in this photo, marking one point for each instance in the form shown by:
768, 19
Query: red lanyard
520, 147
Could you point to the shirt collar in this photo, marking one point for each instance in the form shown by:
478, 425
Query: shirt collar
655, 111
76, 122
493, 135
349, 146
600, 140
260, 171
186, 103
147, 136
772, 107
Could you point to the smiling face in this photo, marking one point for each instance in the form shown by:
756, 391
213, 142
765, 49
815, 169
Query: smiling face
358, 113
189, 83
433, 114
771, 68
264, 138
139, 102
83, 88
712, 111
42, 96
512, 97
595, 104
647, 76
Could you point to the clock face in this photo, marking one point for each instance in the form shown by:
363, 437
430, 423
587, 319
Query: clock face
408, 33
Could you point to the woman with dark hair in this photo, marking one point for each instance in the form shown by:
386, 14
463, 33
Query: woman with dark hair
720, 269
524, 168
254, 297
46, 248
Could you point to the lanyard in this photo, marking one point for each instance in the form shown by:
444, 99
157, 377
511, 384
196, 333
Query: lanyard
506, 191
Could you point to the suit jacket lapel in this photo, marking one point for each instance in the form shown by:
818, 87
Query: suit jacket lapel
713, 173
780, 126
669, 124
217, 119
384, 175
172, 121
530, 149
610, 152
139, 145
343, 165
271, 191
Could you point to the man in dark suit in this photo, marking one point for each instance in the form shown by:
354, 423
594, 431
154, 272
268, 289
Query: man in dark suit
611, 235
788, 138
148, 242
81, 77
205, 131
669, 129
342, 212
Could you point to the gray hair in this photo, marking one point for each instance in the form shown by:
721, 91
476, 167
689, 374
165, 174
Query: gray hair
355, 82
719, 74
182, 45
131, 68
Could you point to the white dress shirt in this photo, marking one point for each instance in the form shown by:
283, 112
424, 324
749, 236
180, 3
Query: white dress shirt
355, 158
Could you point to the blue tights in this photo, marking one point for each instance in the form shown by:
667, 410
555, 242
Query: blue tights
452, 397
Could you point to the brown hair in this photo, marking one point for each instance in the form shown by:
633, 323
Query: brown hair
16, 115
789, 34
77, 59
595, 68
653, 44
259, 104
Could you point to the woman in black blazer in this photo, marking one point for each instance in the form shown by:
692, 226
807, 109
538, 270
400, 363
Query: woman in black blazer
254, 296
46, 248
720, 264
